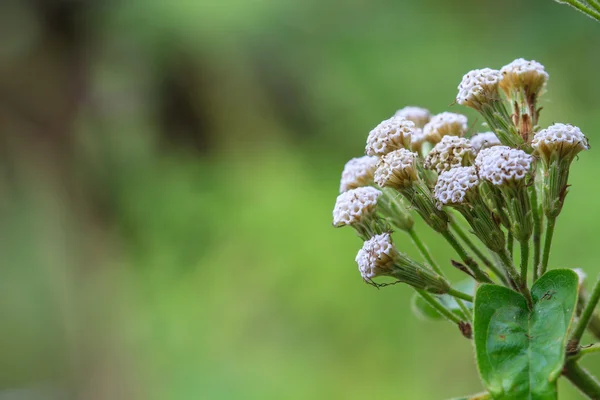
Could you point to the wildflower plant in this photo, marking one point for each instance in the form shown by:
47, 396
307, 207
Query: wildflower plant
509, 186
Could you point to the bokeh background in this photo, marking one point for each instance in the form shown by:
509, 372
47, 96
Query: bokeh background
168, 171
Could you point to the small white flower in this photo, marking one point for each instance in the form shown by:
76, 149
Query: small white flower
358, 172
397, 169
452, 186
562, 139
523, 75
420, 116
501, 164
392, 134
376, 257
478, 87
444, 124
353, 206
450, 152
484, 140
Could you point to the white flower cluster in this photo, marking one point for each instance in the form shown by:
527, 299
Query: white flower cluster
376, 256
478, 87
452, 186
450, 152
354, 205
523, 74
501, 164
444, 124
484, 140
560, 138
420, 116
397, 169
358, 172
392, 134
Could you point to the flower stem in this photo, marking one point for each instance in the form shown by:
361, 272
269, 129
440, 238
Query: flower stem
439, 307
518, 282
471, 264
587, 313
581, 7
465, 238
460, 295
510, 239
582, 379
547, 245
595, 4
427, 255
537, 231
585, 351
524, 262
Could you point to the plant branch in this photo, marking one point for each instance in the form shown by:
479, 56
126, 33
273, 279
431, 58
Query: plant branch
460, 295
595, 4
584, 9
586, 315
439, 307
583, 351
547, 245
471, 264
537, 231
582, 379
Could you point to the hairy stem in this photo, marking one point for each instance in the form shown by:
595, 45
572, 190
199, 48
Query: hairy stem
547, 245
582, 380
586, 315
510, 241
439, 307
524, 262
584, 9
424, 251
537, 232
470, 263
460, 295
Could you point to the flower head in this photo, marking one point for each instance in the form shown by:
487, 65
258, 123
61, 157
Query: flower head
417, 140
391, 134
444, 124
377, 257
521, 74
562, 140
478, 87
484, 140
453, 185
397, 169
353, 206
502, 165
420, 116
358, 172
450, 152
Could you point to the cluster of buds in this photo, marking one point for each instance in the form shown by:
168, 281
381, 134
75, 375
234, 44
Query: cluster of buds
430, 165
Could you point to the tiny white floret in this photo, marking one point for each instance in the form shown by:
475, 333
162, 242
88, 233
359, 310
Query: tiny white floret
478, 86
452, 186
444, 124
376, 257
420, 116
502, 165
353, 206
358, 172
397, 169
450, 152
392, 134
484, 140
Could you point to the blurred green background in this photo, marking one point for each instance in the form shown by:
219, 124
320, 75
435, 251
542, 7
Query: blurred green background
168, 171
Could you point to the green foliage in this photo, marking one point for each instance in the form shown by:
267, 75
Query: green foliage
521, 352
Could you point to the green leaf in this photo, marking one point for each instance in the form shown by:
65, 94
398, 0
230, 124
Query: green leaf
520, 353
423, 310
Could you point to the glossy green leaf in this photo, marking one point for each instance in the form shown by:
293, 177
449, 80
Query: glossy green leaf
520, 353
423, 310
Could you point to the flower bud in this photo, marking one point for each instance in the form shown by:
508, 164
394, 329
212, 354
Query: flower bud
379, 257
529, 77
397, 169
557, 146
450, 152
392, 134
358, 172
484, 140
559, 141
420, 116
478, 87
444, 124
459, 188
357, 208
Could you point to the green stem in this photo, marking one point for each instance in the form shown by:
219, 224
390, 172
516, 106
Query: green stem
595, 4
510, 239
429, 258
518, 282
587, 313
480, 276
584, 351
524, 262
465, 238
582, 379
460, 295
537, 232
424, 251
439, 307
579, 6
547, 244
